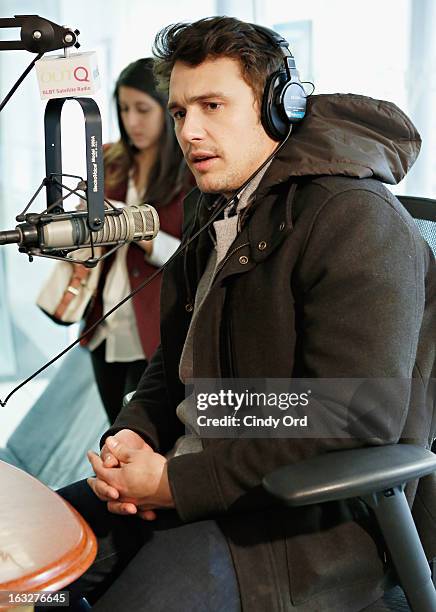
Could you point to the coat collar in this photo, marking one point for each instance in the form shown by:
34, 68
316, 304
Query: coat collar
269, 222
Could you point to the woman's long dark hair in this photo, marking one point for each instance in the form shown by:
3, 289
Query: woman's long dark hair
169, 174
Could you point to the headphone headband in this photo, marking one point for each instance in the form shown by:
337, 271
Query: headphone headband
273, 36
284, 98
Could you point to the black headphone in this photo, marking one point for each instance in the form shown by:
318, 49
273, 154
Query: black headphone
284, 98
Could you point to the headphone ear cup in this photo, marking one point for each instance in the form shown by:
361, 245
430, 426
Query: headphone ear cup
283, 103
272, 119
293, 101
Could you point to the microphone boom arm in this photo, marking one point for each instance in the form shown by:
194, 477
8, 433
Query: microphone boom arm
38, 35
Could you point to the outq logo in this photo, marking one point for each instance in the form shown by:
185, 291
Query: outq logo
60, 76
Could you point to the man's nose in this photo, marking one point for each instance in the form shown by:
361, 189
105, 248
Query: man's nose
193, 127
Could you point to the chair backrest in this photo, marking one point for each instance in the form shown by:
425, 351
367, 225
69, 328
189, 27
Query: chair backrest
423, 211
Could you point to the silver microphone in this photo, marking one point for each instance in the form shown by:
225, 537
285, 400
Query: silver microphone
136, 222
69, 231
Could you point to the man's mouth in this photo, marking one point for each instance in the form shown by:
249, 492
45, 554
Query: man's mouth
202, 161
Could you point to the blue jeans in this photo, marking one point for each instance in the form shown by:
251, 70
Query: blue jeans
162, 565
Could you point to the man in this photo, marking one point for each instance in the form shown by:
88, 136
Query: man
313, 271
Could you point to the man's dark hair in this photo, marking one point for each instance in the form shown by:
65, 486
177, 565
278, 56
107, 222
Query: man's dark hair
215, 37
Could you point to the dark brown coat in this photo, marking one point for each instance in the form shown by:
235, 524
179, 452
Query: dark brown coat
345, 288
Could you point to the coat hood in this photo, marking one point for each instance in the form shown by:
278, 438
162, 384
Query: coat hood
349, 135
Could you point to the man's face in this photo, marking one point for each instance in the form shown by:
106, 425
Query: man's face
217, 124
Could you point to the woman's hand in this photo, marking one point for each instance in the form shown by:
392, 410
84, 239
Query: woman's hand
147, 246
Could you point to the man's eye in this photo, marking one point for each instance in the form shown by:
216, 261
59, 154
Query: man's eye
213, 105
178, 115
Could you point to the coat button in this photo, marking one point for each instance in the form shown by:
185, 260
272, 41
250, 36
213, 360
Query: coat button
135, 273
243, 260
262, 245
189, 307
282, 226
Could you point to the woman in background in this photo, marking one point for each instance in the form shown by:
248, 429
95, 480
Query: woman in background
145, 165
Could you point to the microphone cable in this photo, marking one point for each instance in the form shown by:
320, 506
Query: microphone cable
19, 81
149, 279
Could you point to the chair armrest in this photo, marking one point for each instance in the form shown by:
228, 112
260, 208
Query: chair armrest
350, 473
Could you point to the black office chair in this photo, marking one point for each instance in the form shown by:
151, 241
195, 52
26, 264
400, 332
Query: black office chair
423, 211
377, 475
